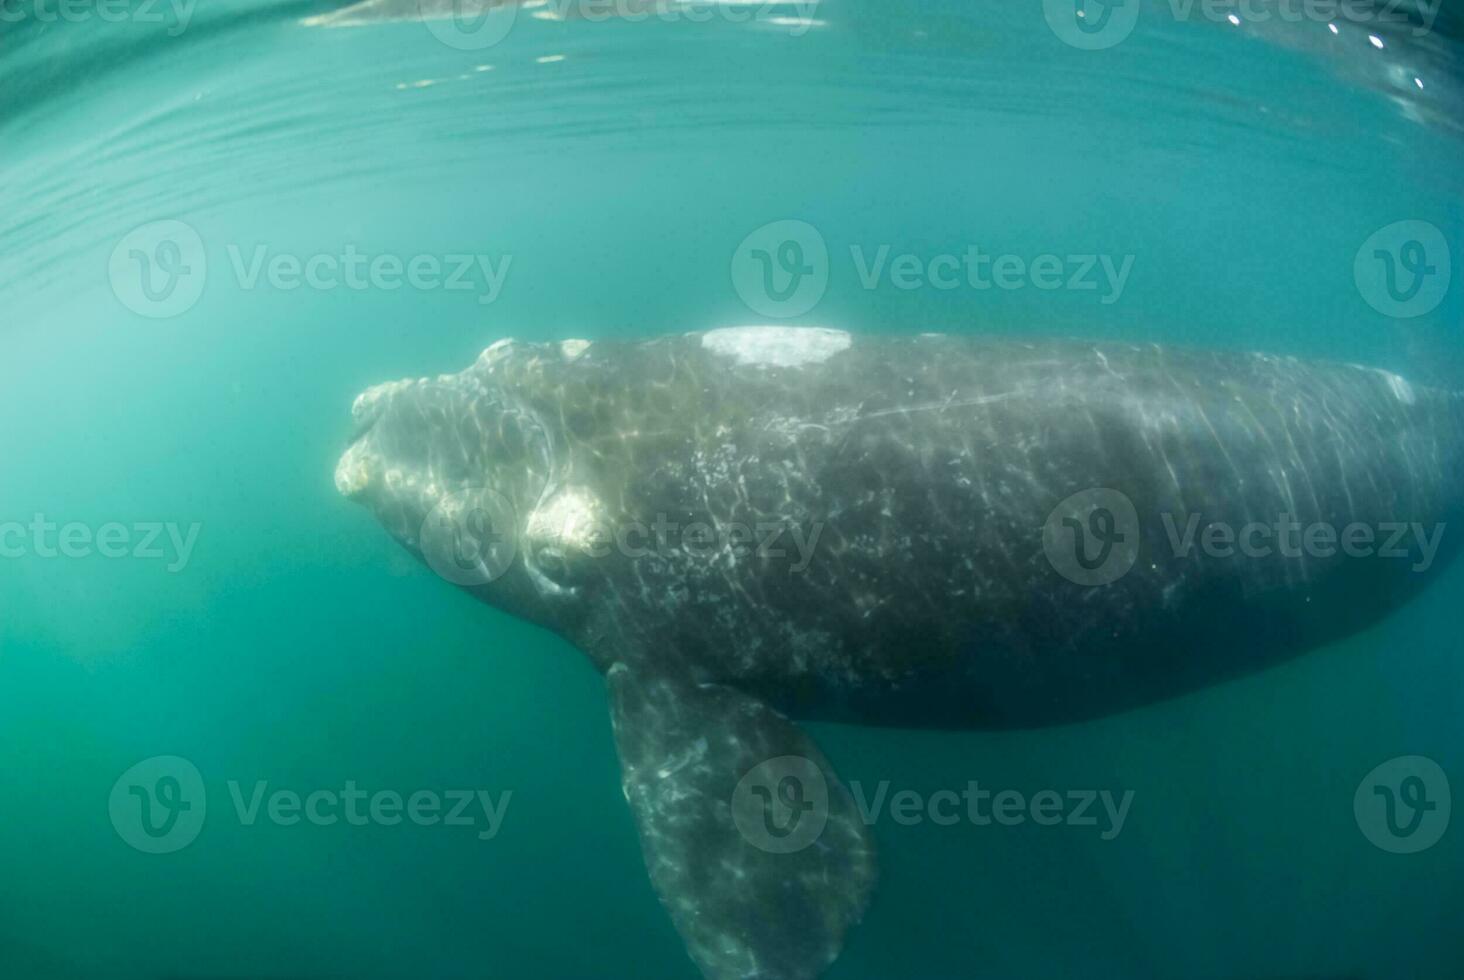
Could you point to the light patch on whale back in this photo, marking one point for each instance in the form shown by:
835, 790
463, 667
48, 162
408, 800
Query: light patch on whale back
571, 349
777, 346
495, 352
1399, 386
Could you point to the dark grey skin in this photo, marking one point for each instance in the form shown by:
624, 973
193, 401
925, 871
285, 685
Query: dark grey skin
923, 494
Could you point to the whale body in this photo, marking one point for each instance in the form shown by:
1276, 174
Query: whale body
748, 527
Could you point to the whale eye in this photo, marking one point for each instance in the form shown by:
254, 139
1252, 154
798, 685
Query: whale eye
554, 565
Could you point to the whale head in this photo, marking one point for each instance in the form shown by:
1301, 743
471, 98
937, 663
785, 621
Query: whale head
458, 468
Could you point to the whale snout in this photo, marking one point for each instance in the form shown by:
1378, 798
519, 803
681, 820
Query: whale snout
421, 446
360, 465
353, 472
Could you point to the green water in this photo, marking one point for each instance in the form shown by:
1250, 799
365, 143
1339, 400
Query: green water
617, 166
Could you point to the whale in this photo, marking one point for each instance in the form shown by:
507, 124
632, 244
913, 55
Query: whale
748, 528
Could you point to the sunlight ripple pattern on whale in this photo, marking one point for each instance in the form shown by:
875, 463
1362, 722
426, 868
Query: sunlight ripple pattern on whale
875, 544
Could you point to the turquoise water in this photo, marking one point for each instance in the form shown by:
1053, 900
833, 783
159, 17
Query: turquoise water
611, 170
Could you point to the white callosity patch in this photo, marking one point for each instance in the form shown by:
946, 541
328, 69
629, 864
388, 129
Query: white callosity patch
560, 531
1402, 390
572, 349
353, 472
1398, 386
495, 352
777, 346
566, 521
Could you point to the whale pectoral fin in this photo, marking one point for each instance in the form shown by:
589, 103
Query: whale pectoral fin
755, 847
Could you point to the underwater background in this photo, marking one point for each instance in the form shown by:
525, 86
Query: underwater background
608, 172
